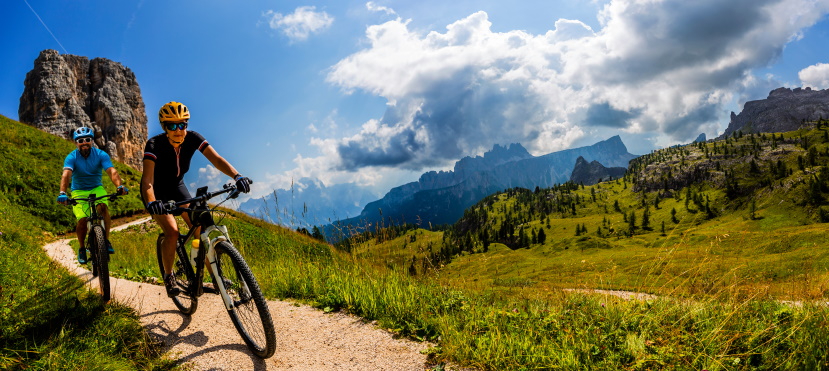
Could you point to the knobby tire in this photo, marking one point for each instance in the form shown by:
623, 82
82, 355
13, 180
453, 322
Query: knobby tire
185, 301
250, 313
100, 259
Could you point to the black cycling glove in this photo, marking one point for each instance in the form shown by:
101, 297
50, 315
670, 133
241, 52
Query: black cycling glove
242, 183
156, 208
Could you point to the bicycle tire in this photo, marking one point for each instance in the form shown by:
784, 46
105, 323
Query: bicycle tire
185, 301
250, 313
100, 260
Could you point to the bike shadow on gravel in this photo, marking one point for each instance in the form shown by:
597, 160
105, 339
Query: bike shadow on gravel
163, 331
257, 364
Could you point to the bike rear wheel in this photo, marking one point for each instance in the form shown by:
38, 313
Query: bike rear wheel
100, 259
249, 312
185, 301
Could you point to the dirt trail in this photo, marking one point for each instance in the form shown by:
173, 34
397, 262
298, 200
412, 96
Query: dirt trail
307, 339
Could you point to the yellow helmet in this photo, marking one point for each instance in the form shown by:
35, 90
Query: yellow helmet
173, 112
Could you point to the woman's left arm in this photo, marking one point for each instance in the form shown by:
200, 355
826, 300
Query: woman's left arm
219, 162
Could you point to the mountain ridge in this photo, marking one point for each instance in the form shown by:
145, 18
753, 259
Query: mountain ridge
442, 197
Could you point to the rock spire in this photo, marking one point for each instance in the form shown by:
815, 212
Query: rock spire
63, 92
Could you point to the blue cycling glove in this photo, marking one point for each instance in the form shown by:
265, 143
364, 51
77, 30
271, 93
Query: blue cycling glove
63, 198
122, 190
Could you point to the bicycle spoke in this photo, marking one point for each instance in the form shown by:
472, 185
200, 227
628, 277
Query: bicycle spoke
250, 312
183, 273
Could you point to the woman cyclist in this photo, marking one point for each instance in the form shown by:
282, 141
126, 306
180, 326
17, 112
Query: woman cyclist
166, 159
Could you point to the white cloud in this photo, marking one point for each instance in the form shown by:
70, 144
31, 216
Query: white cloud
300, 24
816, 76
373, 7
664, 70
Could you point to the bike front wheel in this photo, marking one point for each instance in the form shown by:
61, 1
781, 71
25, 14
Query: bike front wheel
185, 301
100, 259
249, 310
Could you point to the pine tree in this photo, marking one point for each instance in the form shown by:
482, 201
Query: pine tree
646, 219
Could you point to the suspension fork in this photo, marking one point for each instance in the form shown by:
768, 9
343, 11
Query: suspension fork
211, 258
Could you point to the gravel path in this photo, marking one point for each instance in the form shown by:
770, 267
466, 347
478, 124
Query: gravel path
306, 338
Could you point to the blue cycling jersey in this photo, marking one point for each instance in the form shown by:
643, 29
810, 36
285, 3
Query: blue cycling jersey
87, 171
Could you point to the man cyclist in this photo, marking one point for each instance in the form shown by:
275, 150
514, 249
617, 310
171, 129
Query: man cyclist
83, 168
166, 159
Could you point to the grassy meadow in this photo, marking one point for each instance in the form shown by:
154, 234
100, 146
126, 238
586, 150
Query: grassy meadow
48, 320
485, 290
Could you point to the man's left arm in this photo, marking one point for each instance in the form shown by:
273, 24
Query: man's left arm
116, 179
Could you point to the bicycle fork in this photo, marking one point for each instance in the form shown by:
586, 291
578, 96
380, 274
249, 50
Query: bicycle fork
214, 263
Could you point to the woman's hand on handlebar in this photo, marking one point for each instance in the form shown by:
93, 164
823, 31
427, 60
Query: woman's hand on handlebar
157, 208
242, 183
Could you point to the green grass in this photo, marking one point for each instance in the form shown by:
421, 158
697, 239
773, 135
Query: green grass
519, 323
500, 309
48, 319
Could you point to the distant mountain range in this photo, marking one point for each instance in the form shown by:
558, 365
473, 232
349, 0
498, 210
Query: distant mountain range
310, 202
441, 197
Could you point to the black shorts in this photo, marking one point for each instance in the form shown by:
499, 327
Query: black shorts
170, 193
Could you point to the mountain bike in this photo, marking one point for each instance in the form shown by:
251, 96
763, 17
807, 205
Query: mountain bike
96, 241
230, 274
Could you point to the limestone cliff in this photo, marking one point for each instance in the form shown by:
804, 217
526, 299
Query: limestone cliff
63, 92
784, 110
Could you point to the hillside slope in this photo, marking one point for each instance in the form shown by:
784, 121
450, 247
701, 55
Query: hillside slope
47, 319
759, 201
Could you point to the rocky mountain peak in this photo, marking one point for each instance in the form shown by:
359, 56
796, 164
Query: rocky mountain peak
784, 110
63, 92
593, 172
496, 156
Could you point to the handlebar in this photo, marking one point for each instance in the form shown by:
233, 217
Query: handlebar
92, 198
173, 205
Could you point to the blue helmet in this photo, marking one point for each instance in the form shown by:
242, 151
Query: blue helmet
83, 131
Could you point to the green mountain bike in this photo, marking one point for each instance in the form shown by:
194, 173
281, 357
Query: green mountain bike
96, 241
230, 273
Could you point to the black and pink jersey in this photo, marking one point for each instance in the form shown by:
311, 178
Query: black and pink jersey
170, 166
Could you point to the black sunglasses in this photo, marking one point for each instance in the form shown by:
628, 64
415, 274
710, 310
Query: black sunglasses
173, 126
83, 140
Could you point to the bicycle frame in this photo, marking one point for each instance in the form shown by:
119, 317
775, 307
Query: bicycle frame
239, 291
97, 236
201, 216
92, 200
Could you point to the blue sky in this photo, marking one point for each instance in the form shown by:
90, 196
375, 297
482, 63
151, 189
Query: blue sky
375, 93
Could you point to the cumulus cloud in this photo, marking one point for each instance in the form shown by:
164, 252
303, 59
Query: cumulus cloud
300, 24
661, 69
373, 7
816, 76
